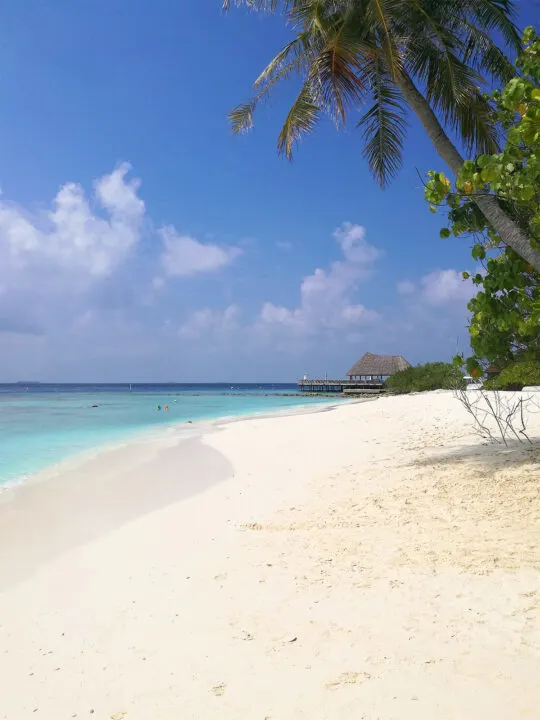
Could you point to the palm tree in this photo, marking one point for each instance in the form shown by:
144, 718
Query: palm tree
430, 55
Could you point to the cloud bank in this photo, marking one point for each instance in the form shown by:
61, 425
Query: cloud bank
326, 295
183, 255
92, 289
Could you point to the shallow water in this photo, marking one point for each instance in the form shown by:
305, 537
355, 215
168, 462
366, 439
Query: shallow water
44, 424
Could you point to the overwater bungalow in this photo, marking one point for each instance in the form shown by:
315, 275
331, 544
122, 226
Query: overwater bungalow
366, 376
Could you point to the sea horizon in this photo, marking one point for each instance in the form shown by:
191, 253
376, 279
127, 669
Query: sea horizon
127, 383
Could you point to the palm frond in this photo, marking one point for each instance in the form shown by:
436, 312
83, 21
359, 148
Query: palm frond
487, 16
452, 86
482, 53
472, 120
497, 15
310, 14
384, 127
380, 15
302, 118
465, 27
340, 68
453, 89
297, 49
264, 5
346, 48
339, 79
241, 117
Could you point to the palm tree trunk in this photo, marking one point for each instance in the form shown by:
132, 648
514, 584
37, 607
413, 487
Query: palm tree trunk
511, 234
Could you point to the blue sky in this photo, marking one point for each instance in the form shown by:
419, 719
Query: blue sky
225, 262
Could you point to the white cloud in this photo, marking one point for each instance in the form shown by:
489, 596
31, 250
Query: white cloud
326, 296
118, 196
55, 262
50, 259
358, 315
207, 320
405, 287
183, 255
284, 245
158, 282
71, 307
444, 287
71, 236
352, 240
271, 313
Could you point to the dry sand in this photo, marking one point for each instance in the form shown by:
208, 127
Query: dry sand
376, 561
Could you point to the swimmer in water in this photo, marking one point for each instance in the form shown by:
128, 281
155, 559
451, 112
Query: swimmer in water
159, 407
166, 408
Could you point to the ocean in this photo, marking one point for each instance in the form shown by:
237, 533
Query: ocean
42, 424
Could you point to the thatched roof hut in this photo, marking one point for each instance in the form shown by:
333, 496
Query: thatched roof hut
371, 365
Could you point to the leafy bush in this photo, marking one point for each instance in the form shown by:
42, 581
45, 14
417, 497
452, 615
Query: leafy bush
516, 376
431, 376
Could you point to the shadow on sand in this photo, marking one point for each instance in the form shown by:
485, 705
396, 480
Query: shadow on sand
41, 520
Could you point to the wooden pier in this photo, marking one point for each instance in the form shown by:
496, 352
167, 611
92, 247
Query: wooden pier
353, 387
367, 376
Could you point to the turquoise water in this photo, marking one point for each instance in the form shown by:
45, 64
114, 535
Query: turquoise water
42, 425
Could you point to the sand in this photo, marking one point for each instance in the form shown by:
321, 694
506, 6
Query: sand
376, 561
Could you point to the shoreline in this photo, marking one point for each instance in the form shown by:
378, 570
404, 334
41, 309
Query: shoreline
69, 488
374, 561
154, 432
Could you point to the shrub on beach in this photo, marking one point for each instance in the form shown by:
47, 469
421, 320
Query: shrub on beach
431, 376
516, 376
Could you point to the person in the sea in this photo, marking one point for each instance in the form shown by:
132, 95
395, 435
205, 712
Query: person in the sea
159, 407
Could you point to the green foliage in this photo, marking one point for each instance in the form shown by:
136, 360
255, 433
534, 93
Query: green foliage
516, 376
431, 376
512, 175
505, 322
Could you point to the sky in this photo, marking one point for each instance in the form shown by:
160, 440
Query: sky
141, 241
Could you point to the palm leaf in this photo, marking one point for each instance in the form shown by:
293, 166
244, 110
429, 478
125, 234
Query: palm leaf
264, 5
379, 15
384, 127
345, 47
471, 23
297, 49
453, 89
472, 118
302, 118
482, 53
339, 79
496, 15
241, 117
488, 15
452, 86
340, 69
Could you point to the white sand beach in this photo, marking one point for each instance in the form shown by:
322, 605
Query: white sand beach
375, 561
